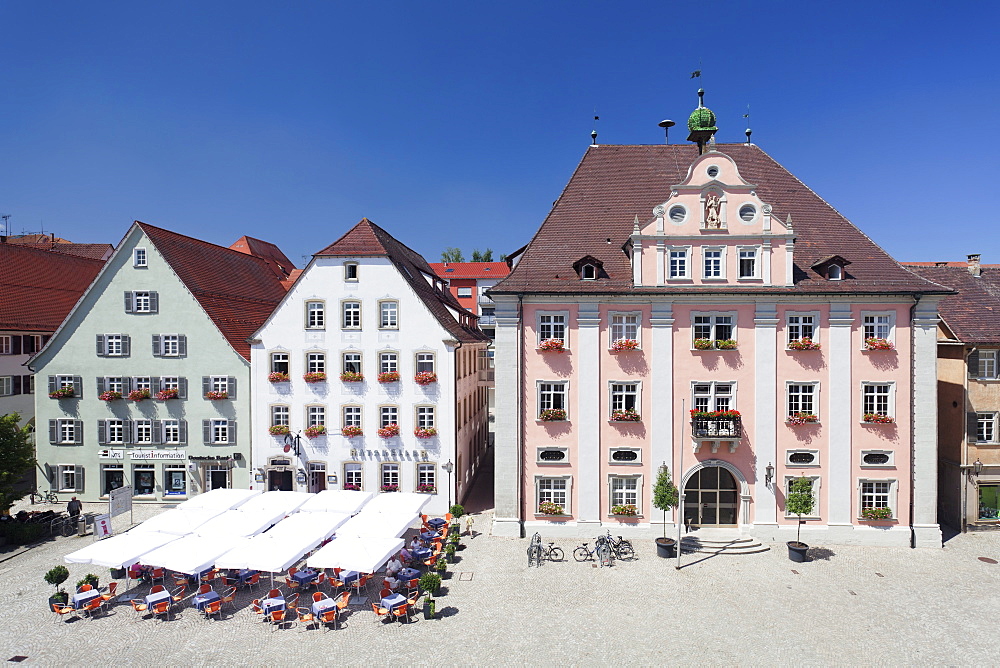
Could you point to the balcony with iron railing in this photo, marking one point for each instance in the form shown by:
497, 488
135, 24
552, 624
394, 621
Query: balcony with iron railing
487, 320
717, 428
485, 301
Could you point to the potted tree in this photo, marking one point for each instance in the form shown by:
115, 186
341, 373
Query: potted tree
665, 497
429, 583
442, 568
55, 577
88, 579
800, 501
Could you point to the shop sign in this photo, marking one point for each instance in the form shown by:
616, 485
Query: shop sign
157, 454
111, 454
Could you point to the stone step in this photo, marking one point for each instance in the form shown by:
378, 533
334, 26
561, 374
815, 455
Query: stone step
701, 541
750, 549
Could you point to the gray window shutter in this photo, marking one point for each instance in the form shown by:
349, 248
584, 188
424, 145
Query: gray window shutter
206, 427
102, 432
77, 386
48, 475
26, 384
182, 388
231, 385
182, 345
154, 302
157, 432
79, 479
206, 385
182, 427
78, 431
126, 431
232, 432
101, 345
17, 385
52, 384
29, 344
53, 431
974, 364
972, 425
126, 345
102, 385
154, 381
128, 302
156, 345
15, 345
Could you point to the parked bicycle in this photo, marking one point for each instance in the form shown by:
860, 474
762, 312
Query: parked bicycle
602, 552
552, 552
63, 526
47, 497
621, 547
537, 553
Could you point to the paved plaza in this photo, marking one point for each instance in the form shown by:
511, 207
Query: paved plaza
853, 605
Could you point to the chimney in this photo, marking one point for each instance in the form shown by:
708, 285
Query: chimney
974, 268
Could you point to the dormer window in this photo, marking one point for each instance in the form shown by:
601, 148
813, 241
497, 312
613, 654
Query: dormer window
588, 272
831, 267
589, 268
835, 272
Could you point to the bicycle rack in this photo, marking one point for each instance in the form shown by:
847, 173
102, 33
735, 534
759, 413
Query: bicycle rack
535, 550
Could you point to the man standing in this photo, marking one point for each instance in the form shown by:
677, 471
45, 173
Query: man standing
74, 507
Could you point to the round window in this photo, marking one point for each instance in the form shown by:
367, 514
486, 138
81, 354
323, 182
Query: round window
876, 458
748, 212
802, 457
624, 455
712, 171
678, 214
552, 455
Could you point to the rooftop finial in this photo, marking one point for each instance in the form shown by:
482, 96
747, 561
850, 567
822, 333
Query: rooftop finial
701, 98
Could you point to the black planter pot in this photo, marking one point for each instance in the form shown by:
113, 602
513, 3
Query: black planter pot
666, 548
429, 610
58, 600
118, 573
797, 551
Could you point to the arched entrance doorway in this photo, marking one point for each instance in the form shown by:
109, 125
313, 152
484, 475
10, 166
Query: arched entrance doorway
711, 498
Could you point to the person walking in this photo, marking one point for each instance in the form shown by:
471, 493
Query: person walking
74, 507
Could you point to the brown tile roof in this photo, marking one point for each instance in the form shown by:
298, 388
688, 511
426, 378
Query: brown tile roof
265, 250
237, 290
614, 184
366, 239
38, 288
470, 269
93, 251
972, 314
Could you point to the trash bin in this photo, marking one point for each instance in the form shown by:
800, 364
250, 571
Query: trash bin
81, 526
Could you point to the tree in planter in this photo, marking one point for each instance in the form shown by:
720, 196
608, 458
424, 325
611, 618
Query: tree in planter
665, 494
55, 577
457, 511
17, 456
450, 551
88, 579
800, 501
429, 583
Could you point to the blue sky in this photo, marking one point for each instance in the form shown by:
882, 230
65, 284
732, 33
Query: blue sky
458, 123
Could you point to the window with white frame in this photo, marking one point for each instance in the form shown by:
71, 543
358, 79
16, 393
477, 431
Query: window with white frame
552, 395
464, 292
350, 315
390, 474
624, 397
350, 271
315, 315
388, 362
803, 398
67, 478
624, 326
142, 432
678, 263
352, 362
279, 415
877, 494
112, 477
748, 264
814, 485
588, 272
315, 416
713, 396
139, 257
388, 314
877, 398
32, 343
551, 326
353, 476
351, 416
65, 432
174, 383
174, 480
113, 345
987, 364
141, 301
144, 477
316, 362
425, 362
6, 345
219, 433
552, 490
427, 474
169, 345
800, 458
112, 432
986, 427
714, 327
625, 491
279, 362
172, 432
877, 325
712, 266
6, 386
388, 415
425, 417
801, 326
222, 384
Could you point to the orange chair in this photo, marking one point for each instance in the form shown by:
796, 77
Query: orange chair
204, 589
229, 596
335, 582
253, 580
430, 562
179, 594
84, 588
413, 587
318, 596
256, 607
401, 611
107, 599
162, 608
328, 617
63, 610
292, 571
157, 574
385, 592
139, 608
92, 605
212, 574
291, 584
447, 518
277, 618
213, 608
305, 616
157, 588
274, 593
379, 611
181, 580
291, 602
320, 579
228, 582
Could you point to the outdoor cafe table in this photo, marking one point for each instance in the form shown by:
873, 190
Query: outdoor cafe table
422, 553
245, 575
158, 597
393, 601
437, 522
84, 597
270, 604
429, 535
349, 576
318, 607
202, 600
304, 576
408, 574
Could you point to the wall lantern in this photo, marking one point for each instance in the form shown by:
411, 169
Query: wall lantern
769, 474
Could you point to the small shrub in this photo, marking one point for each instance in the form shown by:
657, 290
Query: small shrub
457, 510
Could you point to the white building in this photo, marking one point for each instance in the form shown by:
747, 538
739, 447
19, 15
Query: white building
363, 319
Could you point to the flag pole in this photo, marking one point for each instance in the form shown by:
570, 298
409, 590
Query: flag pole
679, 518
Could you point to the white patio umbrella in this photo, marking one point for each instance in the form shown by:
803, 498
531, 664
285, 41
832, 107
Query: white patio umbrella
286, 502
178, 522
240, 523
222, 499
385, 525
284, 544
337, 501
119, 551
398, 502
190, 554
364, 555
317, 526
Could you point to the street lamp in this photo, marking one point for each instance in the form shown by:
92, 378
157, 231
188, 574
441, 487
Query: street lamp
449, 467
977, 468
768, 474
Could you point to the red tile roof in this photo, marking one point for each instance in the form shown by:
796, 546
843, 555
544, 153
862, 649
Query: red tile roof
972, 314
237, 290
366, 239
614, 184
93, 251
470, 269
265, 250
39, 287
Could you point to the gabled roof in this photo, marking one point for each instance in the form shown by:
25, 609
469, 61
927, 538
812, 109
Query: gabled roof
973, 314
366, 239
237, 290
614, 184
265, 250
93, 251
449, 270
38, 288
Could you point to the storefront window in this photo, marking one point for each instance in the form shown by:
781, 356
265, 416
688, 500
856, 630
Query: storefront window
144, 479
176, 481
989, 502
114, 477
